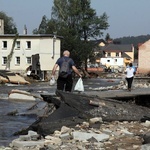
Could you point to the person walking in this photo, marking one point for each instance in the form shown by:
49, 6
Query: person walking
129, 75
65, 80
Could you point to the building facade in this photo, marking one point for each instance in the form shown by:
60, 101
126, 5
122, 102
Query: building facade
144, 58
16, 51
117, 55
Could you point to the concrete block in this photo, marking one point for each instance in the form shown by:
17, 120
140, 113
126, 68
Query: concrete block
21, 144
82, 136
65, 136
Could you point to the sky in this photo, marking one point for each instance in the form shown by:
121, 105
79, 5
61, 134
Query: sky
125, 17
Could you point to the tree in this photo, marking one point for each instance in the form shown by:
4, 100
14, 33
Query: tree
9, 57
42, 27
107, 37
77, 22
9, 25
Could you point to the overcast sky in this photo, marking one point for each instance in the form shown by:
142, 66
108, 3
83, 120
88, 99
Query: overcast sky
126, 17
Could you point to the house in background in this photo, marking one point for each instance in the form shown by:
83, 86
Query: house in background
117, 55
98, 45
144, 58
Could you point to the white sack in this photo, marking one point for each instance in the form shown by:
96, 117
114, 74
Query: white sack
52, 81
79, 85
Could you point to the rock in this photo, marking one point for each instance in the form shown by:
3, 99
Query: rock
147, 123
26, 144
52, 140
82, 136
146, 138
145, 147
65, 129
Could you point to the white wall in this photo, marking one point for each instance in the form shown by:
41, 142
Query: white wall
112, 61
39, 45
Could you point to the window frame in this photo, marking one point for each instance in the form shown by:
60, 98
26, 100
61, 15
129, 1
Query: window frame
17, 46
108, 54
4, 45
27, 60
17, 60
117, 54
4, 60
28, 44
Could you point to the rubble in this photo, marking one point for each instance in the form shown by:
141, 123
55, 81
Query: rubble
10, 77
91, 131
97, 132
110, 135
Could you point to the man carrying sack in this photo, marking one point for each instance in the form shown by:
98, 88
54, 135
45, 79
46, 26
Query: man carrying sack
66, 66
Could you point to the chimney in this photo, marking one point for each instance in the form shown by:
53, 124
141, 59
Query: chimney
1, 26
25, 30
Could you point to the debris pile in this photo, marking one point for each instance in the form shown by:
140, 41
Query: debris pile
94, 134
10, 77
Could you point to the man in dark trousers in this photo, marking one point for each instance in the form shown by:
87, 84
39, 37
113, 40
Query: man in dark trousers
65, 83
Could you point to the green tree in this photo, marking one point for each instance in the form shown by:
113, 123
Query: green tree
77, 22
9, 25
42, 27
107, 37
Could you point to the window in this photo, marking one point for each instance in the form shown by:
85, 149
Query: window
108, 54
4, 60
28, 44
115, 61
17, 61
117, 54
4, 44
17, 45
28, 60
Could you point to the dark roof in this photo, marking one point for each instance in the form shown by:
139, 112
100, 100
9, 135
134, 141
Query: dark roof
117, 48
124, 55
29, 35
97, 42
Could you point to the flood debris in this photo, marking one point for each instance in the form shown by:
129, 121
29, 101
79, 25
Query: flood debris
73, 109
80, 121
10, 77
114, 135
22, 95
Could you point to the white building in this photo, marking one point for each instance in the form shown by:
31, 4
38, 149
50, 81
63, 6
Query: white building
23, 47
115, 62
117, 56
